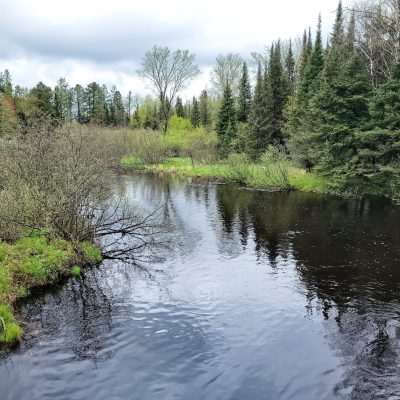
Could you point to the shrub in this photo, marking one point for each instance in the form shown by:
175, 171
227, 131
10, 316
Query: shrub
239, 168
276, 167
147, 146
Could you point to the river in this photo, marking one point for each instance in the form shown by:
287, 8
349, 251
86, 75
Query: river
258, 296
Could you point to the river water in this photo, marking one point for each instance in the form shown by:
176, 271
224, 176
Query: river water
259, 296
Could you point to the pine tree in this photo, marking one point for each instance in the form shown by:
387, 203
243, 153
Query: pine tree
205, 117
180, 112
195, 115
244, 96
226, 124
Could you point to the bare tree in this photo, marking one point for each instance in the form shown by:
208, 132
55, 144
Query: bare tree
378, 38
227, 71
169, 72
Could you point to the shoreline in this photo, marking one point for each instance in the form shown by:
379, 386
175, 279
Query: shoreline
31, 263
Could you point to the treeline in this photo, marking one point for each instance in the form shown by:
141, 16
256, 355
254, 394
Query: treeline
335, 109
94, 104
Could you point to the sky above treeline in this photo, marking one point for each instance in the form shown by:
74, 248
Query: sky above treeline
104, 40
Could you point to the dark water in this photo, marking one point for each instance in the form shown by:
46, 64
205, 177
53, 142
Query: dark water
262, 296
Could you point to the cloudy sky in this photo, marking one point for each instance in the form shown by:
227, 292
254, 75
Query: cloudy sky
104, 40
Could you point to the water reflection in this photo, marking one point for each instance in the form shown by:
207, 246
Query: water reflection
261, 296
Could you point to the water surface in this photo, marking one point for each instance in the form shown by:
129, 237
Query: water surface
260, 296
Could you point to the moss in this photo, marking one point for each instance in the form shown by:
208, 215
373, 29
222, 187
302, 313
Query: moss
76, 271
33, 261
91, 253
10, 331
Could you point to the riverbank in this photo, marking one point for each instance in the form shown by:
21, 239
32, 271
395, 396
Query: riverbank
258, 176
33, 261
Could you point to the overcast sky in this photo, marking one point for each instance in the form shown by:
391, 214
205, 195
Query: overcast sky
104, 40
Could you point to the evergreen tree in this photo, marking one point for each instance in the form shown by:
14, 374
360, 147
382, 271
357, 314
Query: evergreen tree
259, 121
373, 164
195, 115
340, 106
226, 124
278, 96
313, 68
180, 112
119, 109
205, 117
244, 96
43, 99
290, 65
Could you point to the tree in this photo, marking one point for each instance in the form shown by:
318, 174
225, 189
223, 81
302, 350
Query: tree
179, 110
195, 116
62, 101
339, 108
205, 117
290, 65
119, 109
80, 104
96, 99
43, 99
226, 124
6, 83
169, 72
259, 121
226, 72
244, 96
278, 96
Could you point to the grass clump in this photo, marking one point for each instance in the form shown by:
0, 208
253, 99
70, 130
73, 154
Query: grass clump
10, 331
91, 253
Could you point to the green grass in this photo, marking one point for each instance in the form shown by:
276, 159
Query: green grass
34, 261
263, 175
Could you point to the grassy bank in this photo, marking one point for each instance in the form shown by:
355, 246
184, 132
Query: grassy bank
34, 261
264, 175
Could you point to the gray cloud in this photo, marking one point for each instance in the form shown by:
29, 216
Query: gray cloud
75, 37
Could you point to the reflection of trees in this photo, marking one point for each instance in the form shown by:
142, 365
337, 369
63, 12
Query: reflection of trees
348, 257
80, 311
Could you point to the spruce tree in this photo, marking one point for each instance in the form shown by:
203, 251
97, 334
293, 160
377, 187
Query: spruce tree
259, 121
339, 108
205, 116
290, 65
314, 67
276, 96
244, 96
226, 124
180, 112
375, 166
195, 115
